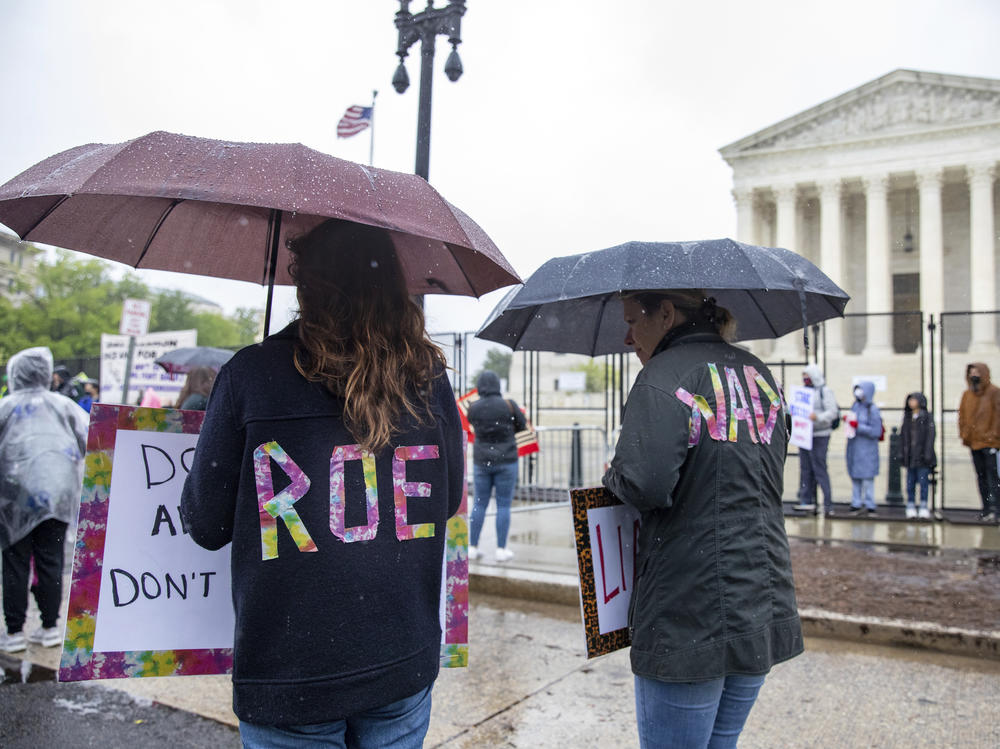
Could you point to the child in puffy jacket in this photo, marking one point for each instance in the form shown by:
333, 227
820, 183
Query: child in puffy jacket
863, 433
916, 439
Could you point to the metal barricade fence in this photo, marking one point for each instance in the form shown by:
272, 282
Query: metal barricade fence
568, 458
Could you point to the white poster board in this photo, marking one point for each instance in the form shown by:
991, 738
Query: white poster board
153, 572
800, 405
145, 372
613, 532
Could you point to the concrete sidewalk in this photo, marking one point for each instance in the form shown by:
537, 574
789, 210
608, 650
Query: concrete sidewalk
529, 684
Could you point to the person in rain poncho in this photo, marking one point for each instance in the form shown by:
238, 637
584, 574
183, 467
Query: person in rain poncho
43, 437
979, 429
701, 456
331, 457
863, 435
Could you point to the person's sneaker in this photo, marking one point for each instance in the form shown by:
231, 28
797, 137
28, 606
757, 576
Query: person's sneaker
924, 513
872, 511
14, 643
911, 512
473, 553
47, 637
504, 555
828, 512
856, 511
806, 506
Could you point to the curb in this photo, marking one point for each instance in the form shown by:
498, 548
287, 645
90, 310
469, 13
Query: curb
564, 589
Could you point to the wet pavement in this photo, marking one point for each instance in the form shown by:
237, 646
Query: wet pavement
529, 683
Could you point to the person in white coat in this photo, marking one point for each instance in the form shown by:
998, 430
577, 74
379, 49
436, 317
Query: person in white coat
825, 417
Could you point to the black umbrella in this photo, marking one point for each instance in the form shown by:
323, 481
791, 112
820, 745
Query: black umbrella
571, 304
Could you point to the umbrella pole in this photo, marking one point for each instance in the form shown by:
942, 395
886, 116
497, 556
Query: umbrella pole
274, 231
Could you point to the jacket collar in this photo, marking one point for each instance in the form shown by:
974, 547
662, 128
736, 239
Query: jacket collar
692, 331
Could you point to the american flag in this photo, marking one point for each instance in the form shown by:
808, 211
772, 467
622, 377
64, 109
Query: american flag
355, 120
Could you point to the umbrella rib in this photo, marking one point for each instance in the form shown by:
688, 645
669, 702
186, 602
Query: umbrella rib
763, 314
597, 328
156, 229
45, 215
465, 275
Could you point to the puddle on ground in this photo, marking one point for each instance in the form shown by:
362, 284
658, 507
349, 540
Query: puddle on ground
17, 671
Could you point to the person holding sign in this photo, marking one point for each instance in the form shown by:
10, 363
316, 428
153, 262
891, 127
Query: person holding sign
43, 437
331, 456
701, 457
825, 417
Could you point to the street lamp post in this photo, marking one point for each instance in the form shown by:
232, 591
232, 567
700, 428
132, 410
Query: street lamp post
425, 26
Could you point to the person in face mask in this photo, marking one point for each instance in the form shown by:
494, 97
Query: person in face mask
979, 429
865, 422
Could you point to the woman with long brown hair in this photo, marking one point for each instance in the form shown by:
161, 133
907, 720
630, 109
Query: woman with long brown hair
331, 457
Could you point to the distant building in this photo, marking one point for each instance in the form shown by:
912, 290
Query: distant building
17, 259
197, 304
889, 188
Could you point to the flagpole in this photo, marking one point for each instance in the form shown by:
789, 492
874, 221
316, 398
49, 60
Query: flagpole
371, 142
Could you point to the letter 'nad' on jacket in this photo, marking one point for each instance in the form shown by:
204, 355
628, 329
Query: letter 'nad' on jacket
701, 456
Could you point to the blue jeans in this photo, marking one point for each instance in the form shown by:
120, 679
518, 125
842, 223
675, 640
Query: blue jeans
863, 490
913, 476
702, 715
813, 473
401, 725
503, 476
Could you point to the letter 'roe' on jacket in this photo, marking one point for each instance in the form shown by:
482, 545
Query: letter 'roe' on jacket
336, 553
701, 456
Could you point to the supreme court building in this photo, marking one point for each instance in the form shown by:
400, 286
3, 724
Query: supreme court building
889, 188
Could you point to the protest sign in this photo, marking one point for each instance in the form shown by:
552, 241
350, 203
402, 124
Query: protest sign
800, 405
606, 532
145, 372
145, 600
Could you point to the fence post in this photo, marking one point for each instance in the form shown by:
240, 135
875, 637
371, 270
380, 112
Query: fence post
576, 458
895, 494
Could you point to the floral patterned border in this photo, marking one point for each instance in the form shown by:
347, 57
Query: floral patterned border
79, 661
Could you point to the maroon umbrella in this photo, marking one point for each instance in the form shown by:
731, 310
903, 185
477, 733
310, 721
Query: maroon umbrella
224, 209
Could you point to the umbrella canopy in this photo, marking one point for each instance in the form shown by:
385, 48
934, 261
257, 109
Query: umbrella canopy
219, 208
571, 304
183, 360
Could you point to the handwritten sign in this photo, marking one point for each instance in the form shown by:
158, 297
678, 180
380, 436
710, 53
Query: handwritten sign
145, 600
606, 532
135, 317
145, 372
800, 405
153, 571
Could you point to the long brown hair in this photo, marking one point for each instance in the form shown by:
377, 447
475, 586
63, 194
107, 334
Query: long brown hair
199, 380
360, 334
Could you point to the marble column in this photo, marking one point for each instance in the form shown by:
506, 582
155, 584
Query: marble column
784, 198
787, 348
831, 254
744, 215
931, 242
878, 295
981, 253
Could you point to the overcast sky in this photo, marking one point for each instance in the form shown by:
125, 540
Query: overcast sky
577, 125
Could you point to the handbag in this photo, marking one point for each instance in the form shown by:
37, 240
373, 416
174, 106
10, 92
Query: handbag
527, 438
